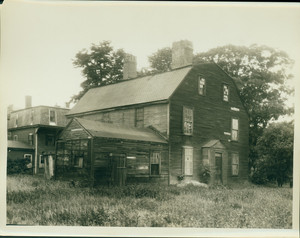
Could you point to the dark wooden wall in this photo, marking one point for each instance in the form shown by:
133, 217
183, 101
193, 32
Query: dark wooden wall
212, 117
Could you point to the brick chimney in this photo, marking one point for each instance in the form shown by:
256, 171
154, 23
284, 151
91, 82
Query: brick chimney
28, 102
129, 68
182, 53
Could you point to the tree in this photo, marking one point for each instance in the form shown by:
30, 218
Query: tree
260, 72
161, 60
275, 153
101, 65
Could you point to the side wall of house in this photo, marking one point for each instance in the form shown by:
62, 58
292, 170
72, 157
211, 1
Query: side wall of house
212, 117
137, 154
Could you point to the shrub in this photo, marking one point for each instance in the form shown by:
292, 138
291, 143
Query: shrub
205, 174
18, 166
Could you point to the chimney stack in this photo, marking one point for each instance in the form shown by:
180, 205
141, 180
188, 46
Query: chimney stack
28, 102
129, 68
182, 53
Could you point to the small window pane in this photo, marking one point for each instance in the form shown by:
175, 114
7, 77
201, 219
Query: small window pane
225, 93
201, 86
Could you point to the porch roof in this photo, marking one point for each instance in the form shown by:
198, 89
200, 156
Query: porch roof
109, 130
213, 143
18, 145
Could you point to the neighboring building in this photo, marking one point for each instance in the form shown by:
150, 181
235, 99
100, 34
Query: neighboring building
159, 127
36, 127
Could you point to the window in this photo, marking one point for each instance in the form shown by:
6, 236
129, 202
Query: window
50, 140
31, 117
42, 161
201, 86
139, 117
235, 164
52, 117
225, 93
17, 121
29, 157
30, 139
188, 160
16, 137
234, 129
78, 161
155, 161
188, 121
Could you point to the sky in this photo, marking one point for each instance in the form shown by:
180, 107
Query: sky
39, 39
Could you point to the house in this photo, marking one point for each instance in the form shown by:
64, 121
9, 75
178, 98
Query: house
34, 130
159, 128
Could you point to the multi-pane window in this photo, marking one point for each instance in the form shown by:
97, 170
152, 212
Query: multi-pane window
201, 86
155, 161
30, 139
188, 160
188, 121
225, 93
139, 117
50, 140
235, 164
234, 129
52, 117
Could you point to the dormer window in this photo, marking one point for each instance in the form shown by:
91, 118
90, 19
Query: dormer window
225, 93
31, 117
201, 86
52, 117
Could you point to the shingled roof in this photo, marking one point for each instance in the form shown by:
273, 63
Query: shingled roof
18, 145
136, 91
109, 130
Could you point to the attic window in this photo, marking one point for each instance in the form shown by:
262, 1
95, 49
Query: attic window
188, 121
52, 117
31, 117
225, 93
201, 86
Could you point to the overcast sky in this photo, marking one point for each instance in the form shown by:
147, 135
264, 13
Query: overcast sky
40, 38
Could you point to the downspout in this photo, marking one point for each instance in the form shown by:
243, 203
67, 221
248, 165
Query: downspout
36, 150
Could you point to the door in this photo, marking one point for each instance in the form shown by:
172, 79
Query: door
218, 166
119, 172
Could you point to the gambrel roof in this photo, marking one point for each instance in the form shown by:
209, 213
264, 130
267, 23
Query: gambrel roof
109, 130
135, 91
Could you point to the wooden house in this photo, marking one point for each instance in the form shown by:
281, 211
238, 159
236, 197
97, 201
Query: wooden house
162, 127
37, 128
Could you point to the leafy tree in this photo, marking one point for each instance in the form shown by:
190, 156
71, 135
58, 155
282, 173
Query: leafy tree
260, 72
101, 65
275, 152
161, 60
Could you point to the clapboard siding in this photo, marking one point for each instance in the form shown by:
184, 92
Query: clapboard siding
212, 117
154, 115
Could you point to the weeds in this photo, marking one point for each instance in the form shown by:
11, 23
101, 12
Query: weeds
35, 201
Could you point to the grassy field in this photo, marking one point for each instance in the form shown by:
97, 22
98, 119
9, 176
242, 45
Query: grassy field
35, 201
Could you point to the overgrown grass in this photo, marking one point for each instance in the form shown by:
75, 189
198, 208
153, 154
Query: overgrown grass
35, 201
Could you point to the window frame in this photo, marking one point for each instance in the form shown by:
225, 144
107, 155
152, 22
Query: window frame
189, 173
237, 163
223, 94
15, 137
237, 130
204, 88
139, 117
41, 165
183, 120
46, 140
151, 162
55, 117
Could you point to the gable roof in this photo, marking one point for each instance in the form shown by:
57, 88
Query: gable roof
135, 91
109, 130
18, 145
